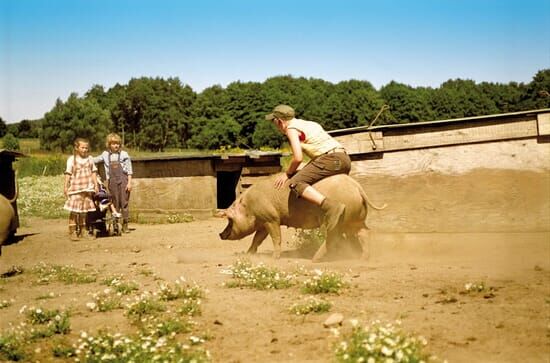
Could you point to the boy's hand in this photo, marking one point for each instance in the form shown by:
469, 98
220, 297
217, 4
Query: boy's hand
281, 180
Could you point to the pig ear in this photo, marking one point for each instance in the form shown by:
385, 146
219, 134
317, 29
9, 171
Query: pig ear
221, 213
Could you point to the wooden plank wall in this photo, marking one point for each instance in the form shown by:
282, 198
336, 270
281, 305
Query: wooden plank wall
426, 135
485, 175
174, 186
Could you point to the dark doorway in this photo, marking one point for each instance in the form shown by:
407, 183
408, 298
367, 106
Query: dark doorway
226, 185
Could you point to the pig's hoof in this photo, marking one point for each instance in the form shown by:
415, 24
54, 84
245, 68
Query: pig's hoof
276, 255
319, 257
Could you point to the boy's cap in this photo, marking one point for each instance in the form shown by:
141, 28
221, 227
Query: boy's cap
282, 111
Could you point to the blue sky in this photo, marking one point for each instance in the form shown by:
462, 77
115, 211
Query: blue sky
50, 48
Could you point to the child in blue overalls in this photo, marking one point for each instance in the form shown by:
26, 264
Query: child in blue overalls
118, 172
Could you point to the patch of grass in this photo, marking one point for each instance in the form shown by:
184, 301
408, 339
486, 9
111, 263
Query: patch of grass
145, 304
52, 322
41, 197
5, 303
379, 342
179, 290
67, 274
167, 327
190, 307
474, 287
29, 145
180, 218
119, 285
311, 305
12, 346
147, 272
63, 349
258, 277
41, 165
308, 241
40, 316
324, 282
143, 348
47, 296
104, 301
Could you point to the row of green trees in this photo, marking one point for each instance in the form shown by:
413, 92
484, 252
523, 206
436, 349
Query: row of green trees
155, 114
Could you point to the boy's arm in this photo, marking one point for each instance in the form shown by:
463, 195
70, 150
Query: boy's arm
94, 175
98, 159
130, 172
128, 165
129, 186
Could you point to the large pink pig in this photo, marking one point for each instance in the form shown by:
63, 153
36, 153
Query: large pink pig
263, 209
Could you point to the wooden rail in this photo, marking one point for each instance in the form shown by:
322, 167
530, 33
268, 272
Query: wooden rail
389, 138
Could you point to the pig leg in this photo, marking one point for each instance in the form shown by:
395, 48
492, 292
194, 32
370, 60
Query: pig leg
332, 236
352, 244
364, 235
274, 230
321, 252
259, 237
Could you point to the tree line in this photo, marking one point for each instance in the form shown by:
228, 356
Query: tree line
156, 114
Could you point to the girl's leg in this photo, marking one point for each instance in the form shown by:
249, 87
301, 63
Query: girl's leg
73, 225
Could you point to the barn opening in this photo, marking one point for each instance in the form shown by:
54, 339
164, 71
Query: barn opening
226, 185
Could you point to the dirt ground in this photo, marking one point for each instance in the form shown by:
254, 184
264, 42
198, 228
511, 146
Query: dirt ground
413, 277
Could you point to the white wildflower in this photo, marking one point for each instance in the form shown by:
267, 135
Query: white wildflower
386, 351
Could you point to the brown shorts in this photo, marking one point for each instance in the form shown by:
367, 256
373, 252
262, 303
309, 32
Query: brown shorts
321, 167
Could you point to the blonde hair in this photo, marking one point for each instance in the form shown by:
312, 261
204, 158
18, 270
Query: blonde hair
113, 138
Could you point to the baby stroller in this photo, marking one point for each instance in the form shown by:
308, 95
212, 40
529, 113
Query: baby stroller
105, 220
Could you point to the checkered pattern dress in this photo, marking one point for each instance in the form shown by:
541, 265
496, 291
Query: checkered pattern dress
81, 185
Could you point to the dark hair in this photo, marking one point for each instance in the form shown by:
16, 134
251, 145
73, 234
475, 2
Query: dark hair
80, 140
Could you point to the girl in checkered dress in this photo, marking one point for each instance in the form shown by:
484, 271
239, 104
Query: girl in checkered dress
80, 186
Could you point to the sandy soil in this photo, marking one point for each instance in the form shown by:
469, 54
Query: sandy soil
414, 277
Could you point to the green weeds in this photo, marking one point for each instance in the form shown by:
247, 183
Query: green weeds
47, 323
107, 347
5, 303
118, 284
105, 300
379, 342
307, 241
324, 282
311, 305
67, 274
41, 197
258, 277
12, 346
